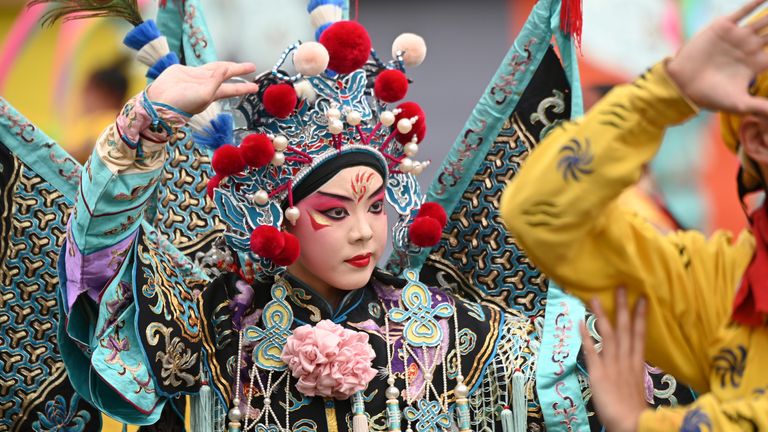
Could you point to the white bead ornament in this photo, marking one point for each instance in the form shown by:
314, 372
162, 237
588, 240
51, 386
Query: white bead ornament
461, 390
404, 126
336, 126
292, 214
234, 414
280, 143
387, 118
354, 118
406, 165
261, 197
278, 159
411, 149
418, 168
333, 114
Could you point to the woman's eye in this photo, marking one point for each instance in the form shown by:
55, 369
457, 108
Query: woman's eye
337, 213
377, 207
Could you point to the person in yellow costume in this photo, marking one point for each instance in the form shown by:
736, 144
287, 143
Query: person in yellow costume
707, 298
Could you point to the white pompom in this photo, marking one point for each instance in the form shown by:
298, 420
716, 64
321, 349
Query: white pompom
387, 118
310, 59
278, 159
304, 90
202, 120
413, 46
280, 143
153, 51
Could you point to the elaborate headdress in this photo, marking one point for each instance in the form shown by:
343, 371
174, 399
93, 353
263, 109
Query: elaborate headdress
342, 107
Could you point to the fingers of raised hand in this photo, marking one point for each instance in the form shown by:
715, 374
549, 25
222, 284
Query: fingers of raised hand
606, 331
638, 331
223, 70
746, 10
228, 90
623, 326
590, 353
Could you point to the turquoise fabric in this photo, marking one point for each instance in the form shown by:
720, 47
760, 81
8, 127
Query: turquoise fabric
187, 32
110, 207
102, 352
38, 150
557, 382
493, 108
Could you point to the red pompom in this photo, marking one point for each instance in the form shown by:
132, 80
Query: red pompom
267, 241
425, 232
435, 211
290, 252
348, 45
410, 110
391, 85
227, 160
257, 150
280, 100
213, 183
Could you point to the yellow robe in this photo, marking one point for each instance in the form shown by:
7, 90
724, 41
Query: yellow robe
563, 209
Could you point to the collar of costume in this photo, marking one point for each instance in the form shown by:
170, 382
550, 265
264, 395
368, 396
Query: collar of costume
309, 307
750, 306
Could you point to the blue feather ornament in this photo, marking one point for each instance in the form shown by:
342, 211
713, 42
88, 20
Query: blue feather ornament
218, 133
141, 35
167, 60
313, 4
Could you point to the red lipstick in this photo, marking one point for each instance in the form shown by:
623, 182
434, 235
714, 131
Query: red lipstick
359, 261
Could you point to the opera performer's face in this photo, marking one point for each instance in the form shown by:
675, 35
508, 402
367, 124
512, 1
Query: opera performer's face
342, 231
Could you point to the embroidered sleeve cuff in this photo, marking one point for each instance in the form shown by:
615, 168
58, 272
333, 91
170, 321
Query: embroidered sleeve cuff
144, 119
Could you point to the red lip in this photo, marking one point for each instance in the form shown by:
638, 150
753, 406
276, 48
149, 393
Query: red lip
359, 261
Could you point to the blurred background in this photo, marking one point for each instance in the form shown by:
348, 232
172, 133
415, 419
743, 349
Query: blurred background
72, 78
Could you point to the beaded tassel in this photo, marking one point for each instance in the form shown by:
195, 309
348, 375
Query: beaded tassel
394, 417
507, 421
462, 406
202, 410
234, 416
359, 420
519, 401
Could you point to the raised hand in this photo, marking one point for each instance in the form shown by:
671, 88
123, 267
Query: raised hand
616, 373
715, 67
192, 89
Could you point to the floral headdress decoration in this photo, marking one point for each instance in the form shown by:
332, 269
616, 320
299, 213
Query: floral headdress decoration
342, 100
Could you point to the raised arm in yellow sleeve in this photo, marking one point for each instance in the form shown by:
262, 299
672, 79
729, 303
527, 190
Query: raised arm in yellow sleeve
562, 209
709, 413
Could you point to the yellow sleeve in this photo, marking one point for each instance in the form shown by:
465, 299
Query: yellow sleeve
562, 208
709, 414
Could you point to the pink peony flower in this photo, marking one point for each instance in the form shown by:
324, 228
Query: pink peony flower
329, 360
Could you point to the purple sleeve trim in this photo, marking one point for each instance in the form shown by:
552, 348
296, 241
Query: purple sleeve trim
91, 273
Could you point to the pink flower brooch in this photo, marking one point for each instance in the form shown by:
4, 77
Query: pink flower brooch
329, 360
